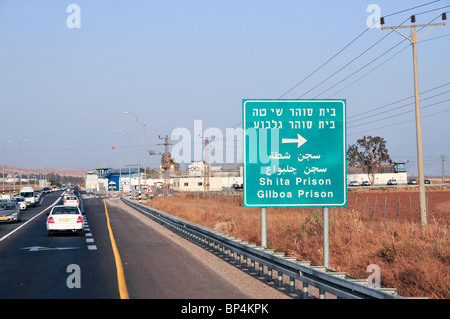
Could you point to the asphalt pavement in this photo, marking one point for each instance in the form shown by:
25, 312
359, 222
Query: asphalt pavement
121, 255
62, 266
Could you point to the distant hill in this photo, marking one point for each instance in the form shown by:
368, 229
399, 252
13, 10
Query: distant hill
75, 172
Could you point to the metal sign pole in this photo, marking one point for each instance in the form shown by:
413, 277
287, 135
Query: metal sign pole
264, 227
326, 259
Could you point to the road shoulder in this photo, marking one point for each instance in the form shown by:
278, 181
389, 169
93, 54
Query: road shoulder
244, 282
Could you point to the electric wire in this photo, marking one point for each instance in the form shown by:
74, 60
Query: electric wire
351, 42
394, 125
402, 113
398, 107
339, 82
398, 101
355, 72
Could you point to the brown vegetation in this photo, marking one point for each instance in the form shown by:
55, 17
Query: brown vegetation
415, 262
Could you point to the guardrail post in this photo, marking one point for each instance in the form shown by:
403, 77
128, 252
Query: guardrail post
291, 284
321, 294
305, 290
280, 279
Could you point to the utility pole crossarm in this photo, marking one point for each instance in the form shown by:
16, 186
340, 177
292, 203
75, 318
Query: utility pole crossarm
413, 26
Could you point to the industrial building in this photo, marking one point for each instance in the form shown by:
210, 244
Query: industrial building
396, 171
193, 180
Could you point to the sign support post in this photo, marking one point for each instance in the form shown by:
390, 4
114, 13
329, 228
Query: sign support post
149, 191
264, 227
326, 254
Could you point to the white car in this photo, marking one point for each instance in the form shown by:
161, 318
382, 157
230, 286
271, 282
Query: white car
21, 202
68, 194
72, 201
63, 218
392, 182
38, 195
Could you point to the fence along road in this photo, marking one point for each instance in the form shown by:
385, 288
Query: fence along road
326, 280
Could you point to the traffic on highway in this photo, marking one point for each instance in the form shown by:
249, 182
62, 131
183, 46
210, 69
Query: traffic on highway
73, 245
47, 237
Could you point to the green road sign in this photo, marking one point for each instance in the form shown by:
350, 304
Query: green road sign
294, 153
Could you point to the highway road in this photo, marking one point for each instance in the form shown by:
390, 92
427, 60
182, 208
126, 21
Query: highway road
122, 254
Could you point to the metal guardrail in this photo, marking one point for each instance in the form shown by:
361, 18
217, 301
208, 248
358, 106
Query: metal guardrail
240, 251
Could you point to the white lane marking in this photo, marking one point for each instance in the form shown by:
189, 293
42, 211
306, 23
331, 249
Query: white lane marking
39, 248
88, 234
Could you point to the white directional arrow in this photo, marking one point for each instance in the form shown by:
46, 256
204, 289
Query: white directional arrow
300, 140
39, 248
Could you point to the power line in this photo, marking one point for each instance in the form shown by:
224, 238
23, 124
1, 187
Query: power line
361, 68
367, 73
407, 98
391, 116
393, 125
422, 5
354, 59
339, 82
399, 107
349, 44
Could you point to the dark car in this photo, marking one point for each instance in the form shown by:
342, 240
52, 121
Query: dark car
412, 182
9, 212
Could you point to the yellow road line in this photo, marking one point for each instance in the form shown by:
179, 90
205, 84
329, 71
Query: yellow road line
123, 291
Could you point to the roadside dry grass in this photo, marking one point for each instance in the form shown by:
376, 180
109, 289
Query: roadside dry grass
414, 261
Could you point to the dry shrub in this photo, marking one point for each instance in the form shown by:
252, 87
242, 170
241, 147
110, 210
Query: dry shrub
415, 262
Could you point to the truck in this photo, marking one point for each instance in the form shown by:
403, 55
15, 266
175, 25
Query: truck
28, 193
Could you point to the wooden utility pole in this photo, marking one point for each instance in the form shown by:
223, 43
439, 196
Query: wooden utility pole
443, 169
206, 166
166, 166
414, 39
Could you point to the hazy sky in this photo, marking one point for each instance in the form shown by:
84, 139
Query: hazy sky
63, 86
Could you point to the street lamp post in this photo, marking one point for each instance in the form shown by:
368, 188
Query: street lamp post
129, 161
120, 162
139, 160
3, 160
145, 162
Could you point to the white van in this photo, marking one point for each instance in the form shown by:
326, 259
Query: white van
28, 193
